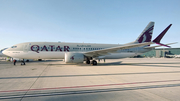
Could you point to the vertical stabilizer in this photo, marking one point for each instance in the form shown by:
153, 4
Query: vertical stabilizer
146, 35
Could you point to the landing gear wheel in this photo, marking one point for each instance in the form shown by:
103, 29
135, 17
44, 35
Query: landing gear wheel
94, 62
23, 63
88, 62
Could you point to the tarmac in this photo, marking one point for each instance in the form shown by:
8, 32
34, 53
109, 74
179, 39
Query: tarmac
129, 79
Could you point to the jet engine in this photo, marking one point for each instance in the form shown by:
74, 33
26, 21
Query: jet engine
74, 57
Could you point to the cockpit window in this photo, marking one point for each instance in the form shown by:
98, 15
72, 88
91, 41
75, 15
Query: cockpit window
3, 49
13, 46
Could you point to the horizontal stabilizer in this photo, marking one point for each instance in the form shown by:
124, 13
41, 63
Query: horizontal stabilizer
163, 45
159, 45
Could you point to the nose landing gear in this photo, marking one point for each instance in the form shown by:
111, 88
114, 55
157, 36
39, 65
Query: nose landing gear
87, 61
22, 62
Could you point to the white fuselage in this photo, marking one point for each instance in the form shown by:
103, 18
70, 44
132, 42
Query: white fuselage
54, 50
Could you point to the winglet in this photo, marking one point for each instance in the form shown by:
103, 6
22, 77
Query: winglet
158, 39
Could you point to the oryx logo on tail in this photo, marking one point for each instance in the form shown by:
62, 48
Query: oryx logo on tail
146, 35
144, 38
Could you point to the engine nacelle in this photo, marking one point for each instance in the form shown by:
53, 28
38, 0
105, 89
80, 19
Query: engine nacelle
74, 57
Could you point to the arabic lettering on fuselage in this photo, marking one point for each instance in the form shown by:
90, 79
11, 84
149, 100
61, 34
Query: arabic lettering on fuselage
83, 45
37, 48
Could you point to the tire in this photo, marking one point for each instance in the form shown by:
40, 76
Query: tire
94, 62
88, 62
39, 59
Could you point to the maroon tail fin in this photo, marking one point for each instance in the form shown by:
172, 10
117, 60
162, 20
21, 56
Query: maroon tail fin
146, 35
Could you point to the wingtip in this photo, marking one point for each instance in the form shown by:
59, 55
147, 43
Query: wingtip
158, 38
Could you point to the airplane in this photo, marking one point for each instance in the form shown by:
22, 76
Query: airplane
89, 52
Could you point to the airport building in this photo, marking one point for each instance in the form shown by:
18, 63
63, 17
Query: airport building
162, 52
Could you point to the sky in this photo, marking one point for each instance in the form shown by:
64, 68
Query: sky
88, 21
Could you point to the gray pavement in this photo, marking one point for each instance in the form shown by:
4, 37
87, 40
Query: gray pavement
130, 79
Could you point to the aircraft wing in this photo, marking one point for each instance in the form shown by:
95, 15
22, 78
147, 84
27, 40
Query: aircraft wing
106, 51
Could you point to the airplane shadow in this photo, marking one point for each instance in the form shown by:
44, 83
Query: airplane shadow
120, 63
110, 64
43, 61
84, 75
154, 64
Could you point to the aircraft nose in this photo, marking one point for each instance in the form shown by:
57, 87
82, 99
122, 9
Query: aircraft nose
5, 52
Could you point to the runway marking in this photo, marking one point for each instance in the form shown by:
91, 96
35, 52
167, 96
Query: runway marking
55, 93
131, 83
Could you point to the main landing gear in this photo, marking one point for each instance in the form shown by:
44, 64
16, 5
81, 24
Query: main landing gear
93, 62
